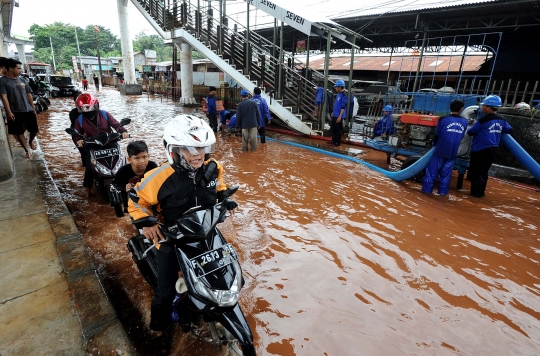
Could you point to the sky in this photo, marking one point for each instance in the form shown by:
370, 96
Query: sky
104, 12
80, 13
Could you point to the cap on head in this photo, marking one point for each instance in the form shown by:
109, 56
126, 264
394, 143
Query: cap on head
492, 100
388, 108
339, 83
244, 93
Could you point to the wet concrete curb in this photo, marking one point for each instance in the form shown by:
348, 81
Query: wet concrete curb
102, 331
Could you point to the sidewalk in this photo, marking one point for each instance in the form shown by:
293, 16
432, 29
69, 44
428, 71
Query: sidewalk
51, 300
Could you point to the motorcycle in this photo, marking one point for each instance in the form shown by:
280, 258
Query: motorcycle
37, 104
106, 158
41, 98
211, 281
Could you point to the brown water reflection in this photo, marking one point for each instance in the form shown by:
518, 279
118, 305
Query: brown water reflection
338, 259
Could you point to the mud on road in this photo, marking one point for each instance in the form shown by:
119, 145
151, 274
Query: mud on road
338, 259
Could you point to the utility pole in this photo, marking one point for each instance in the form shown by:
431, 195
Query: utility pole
98, 56
79, 50
52, 53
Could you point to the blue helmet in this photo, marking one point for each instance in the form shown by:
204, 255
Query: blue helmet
339, 83
244, 92
492, 100
388, 108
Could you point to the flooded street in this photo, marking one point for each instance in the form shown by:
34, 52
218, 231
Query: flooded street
338, 259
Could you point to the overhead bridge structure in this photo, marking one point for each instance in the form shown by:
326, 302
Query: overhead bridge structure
248, 58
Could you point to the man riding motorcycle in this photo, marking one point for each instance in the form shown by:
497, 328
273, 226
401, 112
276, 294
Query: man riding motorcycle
91, 122
186, 181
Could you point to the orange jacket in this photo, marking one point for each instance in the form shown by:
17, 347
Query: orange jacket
169, 191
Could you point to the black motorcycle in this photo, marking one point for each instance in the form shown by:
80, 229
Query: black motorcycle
209, 289
106, 158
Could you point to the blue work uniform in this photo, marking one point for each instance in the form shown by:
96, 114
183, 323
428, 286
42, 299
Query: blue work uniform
486, 133
385, 125
264, 113
448, 135
337, 127
211, 112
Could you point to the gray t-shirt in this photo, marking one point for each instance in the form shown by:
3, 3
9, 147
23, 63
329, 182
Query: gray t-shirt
16, 90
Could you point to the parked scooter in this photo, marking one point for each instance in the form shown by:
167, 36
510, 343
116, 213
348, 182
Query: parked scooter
106, 159
212, 278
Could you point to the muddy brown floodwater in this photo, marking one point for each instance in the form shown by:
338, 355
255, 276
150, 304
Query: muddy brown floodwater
338, 259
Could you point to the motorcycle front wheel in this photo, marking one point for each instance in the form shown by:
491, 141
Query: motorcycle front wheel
102, 188
118, 210
47, 101
38, 108
221, 336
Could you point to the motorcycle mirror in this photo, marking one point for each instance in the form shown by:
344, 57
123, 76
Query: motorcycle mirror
230, 191
125, 122
71, 131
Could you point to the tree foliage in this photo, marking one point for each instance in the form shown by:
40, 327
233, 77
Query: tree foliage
153, 42
63, 40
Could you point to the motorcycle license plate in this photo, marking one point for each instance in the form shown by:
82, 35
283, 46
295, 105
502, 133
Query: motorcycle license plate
212, 260
109, 152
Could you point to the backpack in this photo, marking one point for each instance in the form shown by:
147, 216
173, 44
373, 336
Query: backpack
103, 112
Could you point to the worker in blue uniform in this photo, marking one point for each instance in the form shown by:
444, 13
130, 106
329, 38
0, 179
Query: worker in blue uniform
211, 109
486, 133
338, 113
385, 126
448, 135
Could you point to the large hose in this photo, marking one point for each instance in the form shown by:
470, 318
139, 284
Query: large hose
522, 155
404, 174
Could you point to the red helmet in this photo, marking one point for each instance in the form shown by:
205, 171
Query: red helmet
86, 103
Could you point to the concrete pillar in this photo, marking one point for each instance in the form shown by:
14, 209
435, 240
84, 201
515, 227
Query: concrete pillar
22, 57
6, 159
128, 63
186, 74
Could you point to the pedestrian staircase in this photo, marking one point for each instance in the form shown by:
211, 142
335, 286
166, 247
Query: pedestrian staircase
248, 58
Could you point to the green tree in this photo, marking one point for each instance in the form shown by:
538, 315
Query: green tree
64, 43
153, 42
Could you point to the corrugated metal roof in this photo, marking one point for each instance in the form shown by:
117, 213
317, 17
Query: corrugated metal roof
405, 6
430, 64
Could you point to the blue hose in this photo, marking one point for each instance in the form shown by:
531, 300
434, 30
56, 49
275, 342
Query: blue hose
522, 155
404, 174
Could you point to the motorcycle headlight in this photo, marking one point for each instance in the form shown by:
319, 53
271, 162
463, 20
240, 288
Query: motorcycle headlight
223, 298
101, 168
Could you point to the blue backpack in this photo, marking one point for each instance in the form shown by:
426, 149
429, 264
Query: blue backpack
103, 112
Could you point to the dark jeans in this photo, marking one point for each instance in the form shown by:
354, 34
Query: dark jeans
262, 134
167, 271
337, 129
88, 173
479, 166
212, 120
84, 153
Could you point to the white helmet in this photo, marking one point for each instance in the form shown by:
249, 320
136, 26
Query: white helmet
522, 106
188, 132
